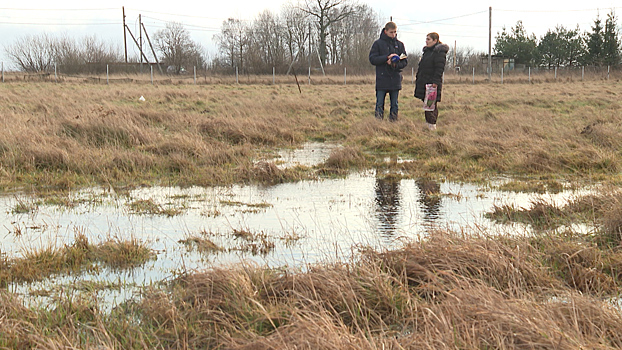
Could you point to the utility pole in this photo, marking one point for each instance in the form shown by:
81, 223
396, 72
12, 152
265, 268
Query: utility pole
137, 44
309, 56
140, 39
152, 50
455, 48
490, 43
124, 34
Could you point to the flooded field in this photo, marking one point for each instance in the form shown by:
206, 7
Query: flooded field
290, 224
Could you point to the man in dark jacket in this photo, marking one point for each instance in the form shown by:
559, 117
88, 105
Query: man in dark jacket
389, 56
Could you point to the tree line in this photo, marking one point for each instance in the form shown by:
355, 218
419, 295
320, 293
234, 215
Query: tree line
563, 47
318, 33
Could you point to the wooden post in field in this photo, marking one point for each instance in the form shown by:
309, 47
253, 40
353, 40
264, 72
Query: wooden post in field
501, 75
309, 75
107, 76
473, 75
530, 74
55, 74
608, 67
195, 74
237, 81
489, 43
152, 50
273, 75
124, 33
555, 73
412, 75
344, 75
140, 40
3, 72
150, 66
582, 72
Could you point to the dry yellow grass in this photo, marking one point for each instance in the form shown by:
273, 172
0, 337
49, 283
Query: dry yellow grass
73, 134
447, 291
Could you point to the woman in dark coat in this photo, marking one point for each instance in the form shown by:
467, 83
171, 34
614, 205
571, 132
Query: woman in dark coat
430, 71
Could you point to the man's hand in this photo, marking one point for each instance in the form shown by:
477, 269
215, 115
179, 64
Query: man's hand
389, 58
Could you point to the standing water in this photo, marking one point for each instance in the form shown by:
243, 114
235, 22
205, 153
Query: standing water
291, 224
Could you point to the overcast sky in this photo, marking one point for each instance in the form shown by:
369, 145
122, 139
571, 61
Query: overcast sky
459, 22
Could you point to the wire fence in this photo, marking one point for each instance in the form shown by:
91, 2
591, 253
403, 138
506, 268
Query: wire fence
150, 74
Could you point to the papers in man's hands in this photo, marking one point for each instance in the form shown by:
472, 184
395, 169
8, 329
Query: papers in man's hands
402, 56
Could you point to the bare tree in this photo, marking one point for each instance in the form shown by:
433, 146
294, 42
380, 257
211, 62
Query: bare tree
233, 42
41, 53
177, 48
326, 13
98, 51
32, 53
297, 31
351, 38
267, 43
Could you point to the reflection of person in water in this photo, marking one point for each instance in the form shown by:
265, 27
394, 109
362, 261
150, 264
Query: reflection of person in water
387, 203
430, 198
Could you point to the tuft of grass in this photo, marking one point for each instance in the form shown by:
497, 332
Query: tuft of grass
23, 207
120, 253
39, 263
150, 207
532, 186
255, 243
344, 158
541, 214
202, 245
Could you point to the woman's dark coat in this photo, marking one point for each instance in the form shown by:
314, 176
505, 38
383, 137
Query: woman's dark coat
431, 69
388, 77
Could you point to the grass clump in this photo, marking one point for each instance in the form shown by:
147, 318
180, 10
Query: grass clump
202, 245
602, 208
150, 207
80, 255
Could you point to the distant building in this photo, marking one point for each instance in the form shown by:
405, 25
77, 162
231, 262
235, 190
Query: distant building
497, 63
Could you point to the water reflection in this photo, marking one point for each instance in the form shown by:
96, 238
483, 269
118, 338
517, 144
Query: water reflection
387, 199
430, 199
302, 222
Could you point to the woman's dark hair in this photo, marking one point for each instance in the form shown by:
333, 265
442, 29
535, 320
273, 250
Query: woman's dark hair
434, 36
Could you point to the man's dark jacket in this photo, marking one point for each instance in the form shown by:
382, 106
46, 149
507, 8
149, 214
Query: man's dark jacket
388, 77
431, 69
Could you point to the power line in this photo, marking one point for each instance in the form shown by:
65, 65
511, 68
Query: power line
63, 23
185, 24
22, 9
179, 15
442, 19
557, 11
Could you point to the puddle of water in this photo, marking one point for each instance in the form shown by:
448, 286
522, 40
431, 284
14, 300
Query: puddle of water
302, 223
311, 153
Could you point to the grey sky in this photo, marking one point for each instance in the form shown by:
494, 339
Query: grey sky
457, 21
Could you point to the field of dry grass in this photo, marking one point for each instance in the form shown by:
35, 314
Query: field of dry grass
69, 135
557, 289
